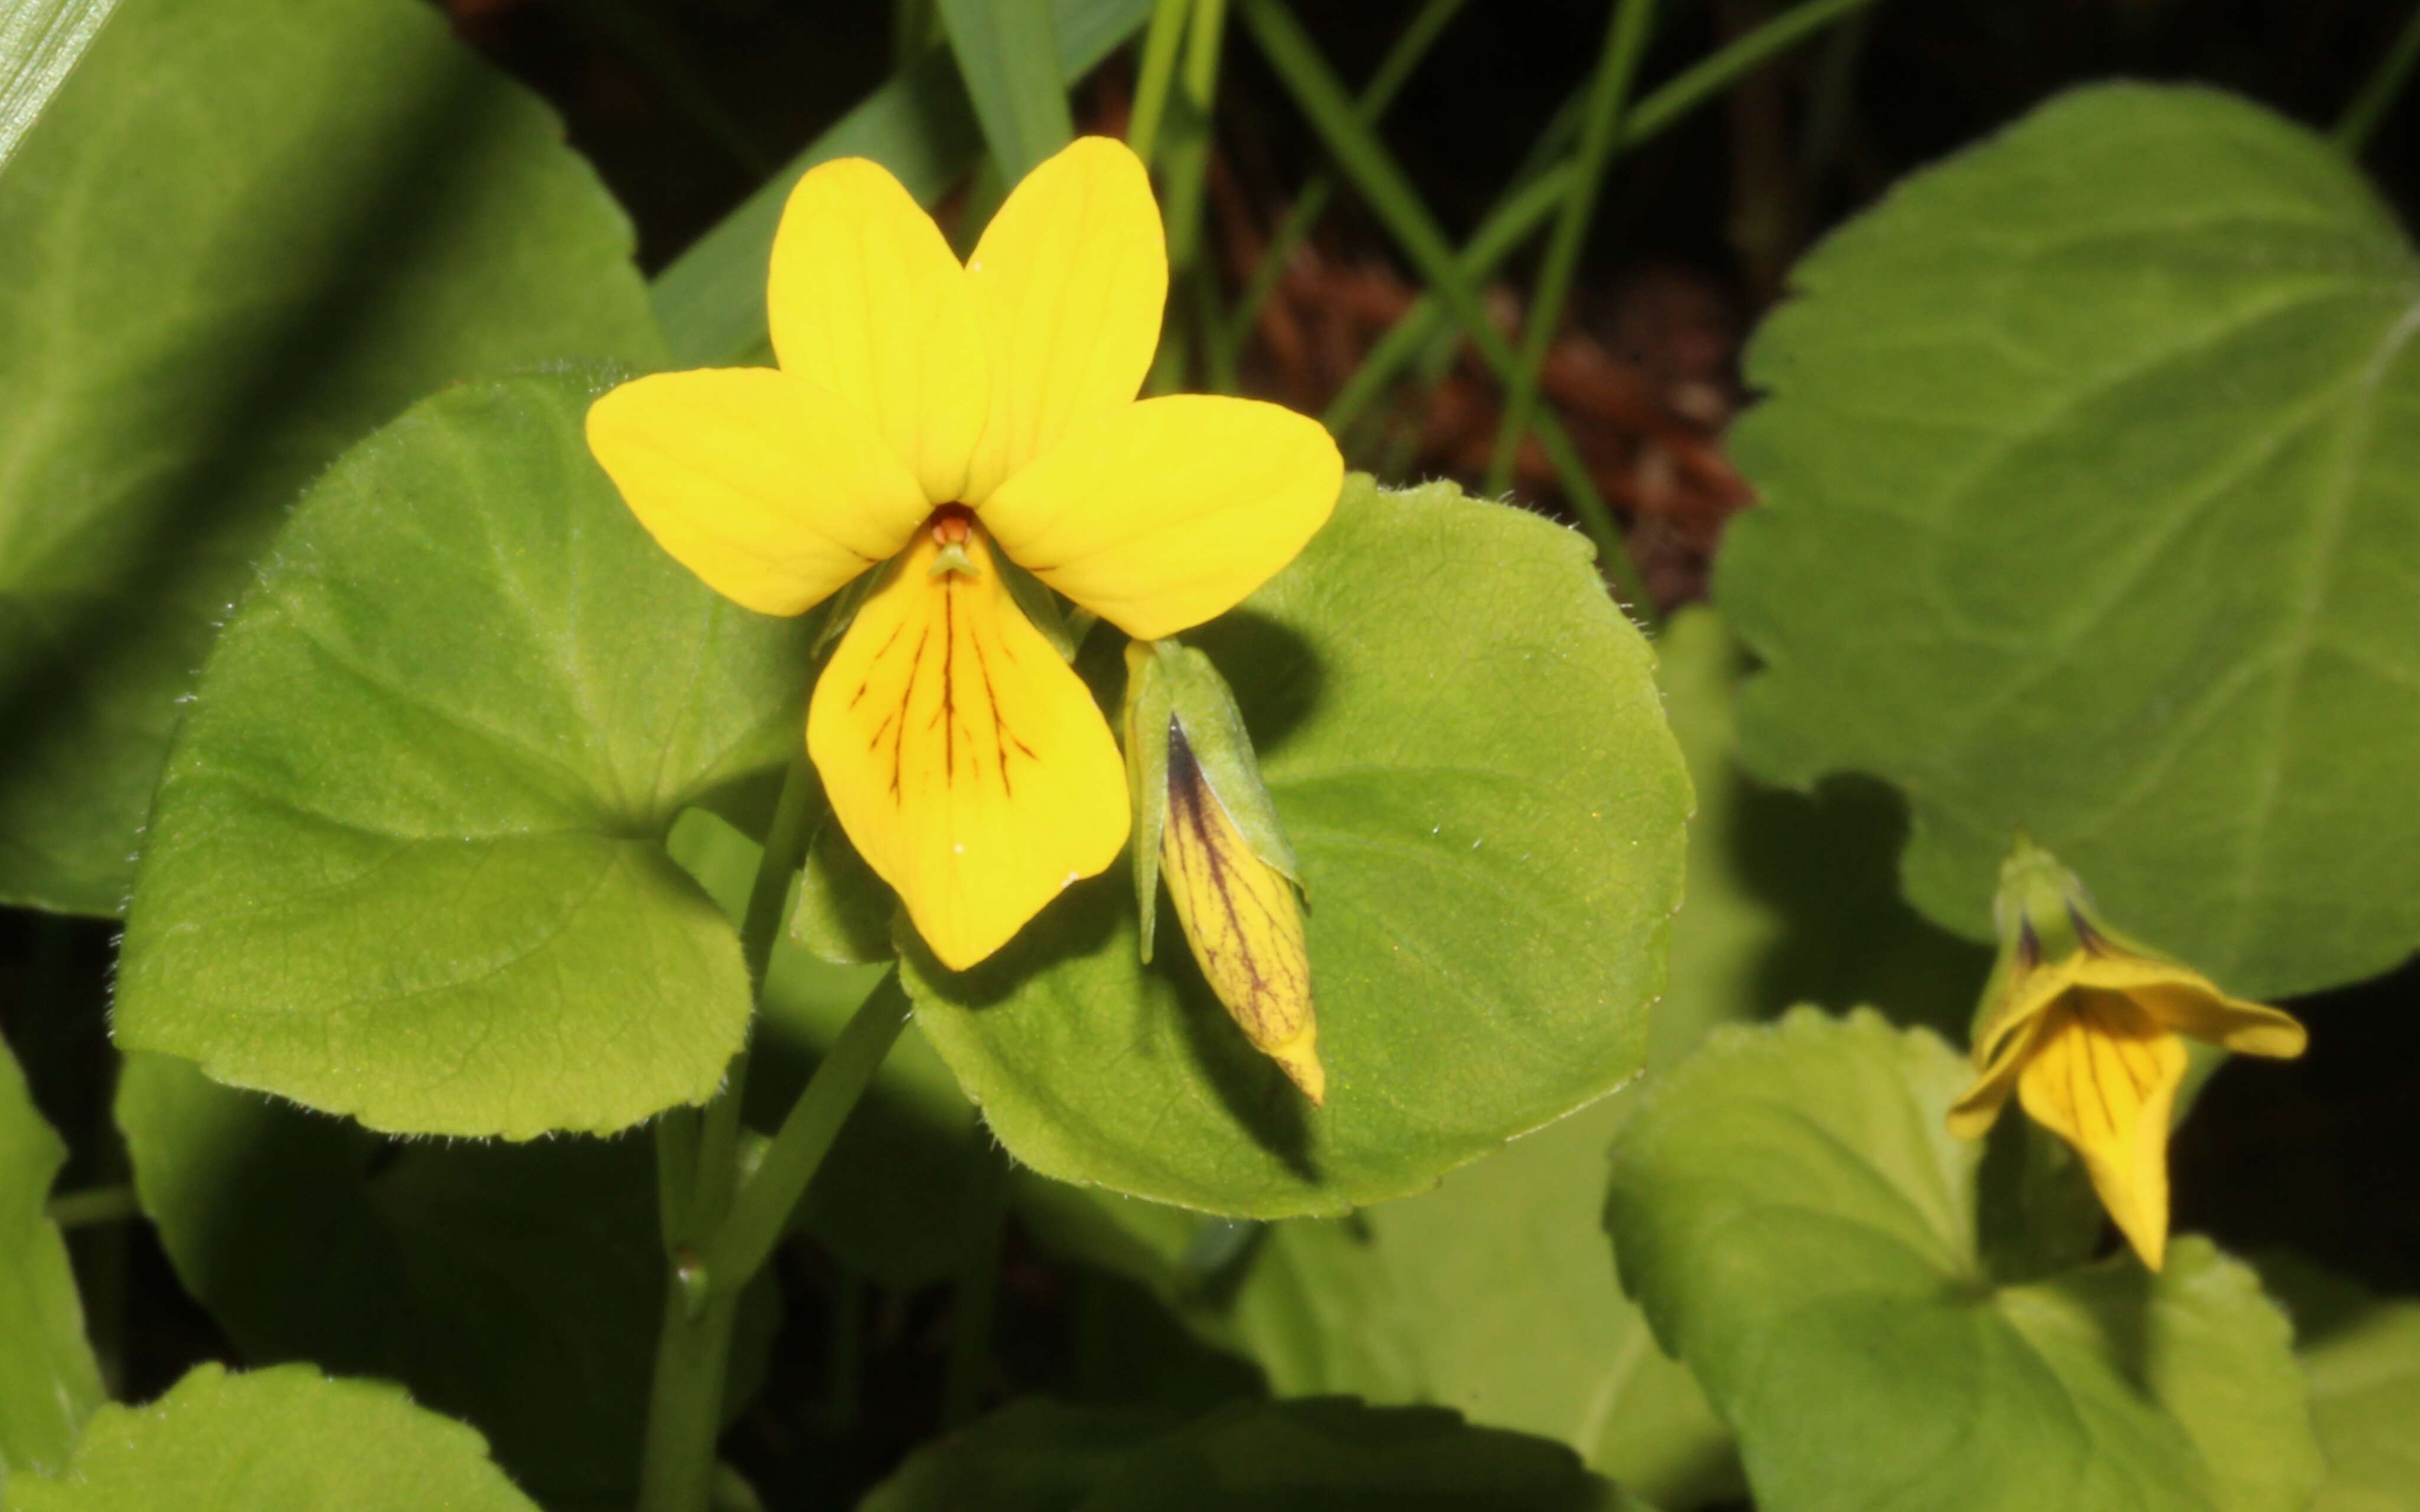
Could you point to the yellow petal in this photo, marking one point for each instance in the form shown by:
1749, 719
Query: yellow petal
2188, 1002
1244, 923
771, 489
970, 765
1068, 282
866, 301
2001, 1058
2104, 1076
1166, 513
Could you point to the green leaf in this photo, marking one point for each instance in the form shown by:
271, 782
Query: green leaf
244, 234
40, 43
1010, 65
1800, 1228
2092, 505
2362, 1354
1793, 897
48, 1378
288, 1440
711, 300
514, 1286
1463, 742
1041, 1457
406, 862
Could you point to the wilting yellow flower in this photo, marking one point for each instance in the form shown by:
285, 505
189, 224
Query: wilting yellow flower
925, 419
1233, 891
2084, 1025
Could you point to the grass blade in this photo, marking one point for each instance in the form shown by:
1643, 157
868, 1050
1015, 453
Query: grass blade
711, 300
1010, 65
1625, 40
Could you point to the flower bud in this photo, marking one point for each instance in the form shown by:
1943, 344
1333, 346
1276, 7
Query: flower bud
1203, 821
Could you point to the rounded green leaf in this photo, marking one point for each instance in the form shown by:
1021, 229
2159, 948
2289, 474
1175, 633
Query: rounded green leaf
406, 861
515, 1286
48, 1376
288, 1440
1800, 1228
2092, 505
1463, 739
242, 235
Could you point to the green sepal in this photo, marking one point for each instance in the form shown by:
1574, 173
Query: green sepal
1047, 611
1214, 727
1170, 682
1146, 725
840, 610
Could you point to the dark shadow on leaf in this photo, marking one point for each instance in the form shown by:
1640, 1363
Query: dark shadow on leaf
1275, 673
1828, 862
182, 545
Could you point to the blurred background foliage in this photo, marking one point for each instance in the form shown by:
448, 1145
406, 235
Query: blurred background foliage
687, 107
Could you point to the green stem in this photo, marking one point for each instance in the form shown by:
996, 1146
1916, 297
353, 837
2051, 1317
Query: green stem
94, 1205
2376, 97
1152, 79
1394, 71
983, 1208
696, 1171
1625, 40
745, 1240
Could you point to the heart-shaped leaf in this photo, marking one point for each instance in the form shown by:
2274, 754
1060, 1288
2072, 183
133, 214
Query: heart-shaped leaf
407, 861
2092, 505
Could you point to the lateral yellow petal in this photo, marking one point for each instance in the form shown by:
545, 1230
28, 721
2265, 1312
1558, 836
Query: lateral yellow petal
1068, 282
1995, 1077
2103, 1077
1243, 921
866, 301
1163, 514
770, 489
970, 765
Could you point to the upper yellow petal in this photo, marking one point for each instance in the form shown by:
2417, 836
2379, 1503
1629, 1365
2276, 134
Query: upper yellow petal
2102, 1075
770, 489
1163, 514
2188, 1002
970, 765
866, 301
1069, 281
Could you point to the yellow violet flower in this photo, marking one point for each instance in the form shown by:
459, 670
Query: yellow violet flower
926, 421
2085, 1025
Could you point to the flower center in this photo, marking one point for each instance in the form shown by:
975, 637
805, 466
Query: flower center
953, 525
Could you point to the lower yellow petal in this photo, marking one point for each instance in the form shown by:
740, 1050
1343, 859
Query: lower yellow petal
968, 764
770, 489
2102, 1076
1242, 921
1163, 514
